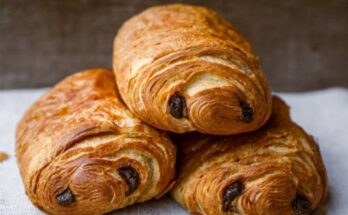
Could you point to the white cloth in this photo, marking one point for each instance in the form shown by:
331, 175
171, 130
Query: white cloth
322, 113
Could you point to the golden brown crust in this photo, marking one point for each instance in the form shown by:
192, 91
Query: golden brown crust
275, 170
80, 151
190, 51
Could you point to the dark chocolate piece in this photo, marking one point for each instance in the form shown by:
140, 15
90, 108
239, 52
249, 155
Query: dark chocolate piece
301, 205
65, 198
177, 106
131, 177
231, 192
247, 111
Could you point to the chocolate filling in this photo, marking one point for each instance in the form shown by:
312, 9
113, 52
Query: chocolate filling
247, 112
231, 192
301, 205
66, 197
131, 177
177, 106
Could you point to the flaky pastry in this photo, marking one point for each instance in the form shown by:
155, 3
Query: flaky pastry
184, 68
275, 170
80, 151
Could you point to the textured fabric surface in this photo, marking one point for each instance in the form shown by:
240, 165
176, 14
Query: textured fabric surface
324, 114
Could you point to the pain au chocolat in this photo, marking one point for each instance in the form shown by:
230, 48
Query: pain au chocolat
184, 68
80, 151
275, 170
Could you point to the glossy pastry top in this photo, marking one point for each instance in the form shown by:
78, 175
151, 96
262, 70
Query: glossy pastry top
184, 68
275, 170
80, 151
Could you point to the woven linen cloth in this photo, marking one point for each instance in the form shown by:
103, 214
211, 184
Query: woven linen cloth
323, 113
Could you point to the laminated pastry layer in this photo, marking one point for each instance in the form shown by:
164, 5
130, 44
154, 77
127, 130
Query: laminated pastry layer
275, 170
183, 68
80, 151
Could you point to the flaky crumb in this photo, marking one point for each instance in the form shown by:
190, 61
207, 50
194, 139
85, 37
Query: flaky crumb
3, 156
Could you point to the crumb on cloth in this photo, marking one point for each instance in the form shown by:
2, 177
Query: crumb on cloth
3, 156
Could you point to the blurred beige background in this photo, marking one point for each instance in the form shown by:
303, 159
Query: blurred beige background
302, 44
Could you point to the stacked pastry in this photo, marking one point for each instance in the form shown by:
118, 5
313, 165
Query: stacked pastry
80, 151
92, 144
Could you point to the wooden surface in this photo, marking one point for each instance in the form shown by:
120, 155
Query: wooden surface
303, 45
